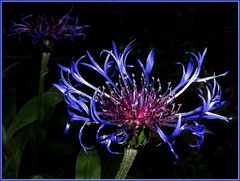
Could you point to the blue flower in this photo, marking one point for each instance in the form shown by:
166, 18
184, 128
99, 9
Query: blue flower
40, 27
130, 104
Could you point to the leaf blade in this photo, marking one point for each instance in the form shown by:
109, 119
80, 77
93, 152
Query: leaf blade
88, 165
29, 112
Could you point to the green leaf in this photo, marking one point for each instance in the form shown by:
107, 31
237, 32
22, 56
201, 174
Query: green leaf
9, 169
132, 141
110, 166
9, 69
37, 177
88, 165
38, 131
141, 137
9, 108
16, 146
4, 136
26, 116
5, 150
29, 112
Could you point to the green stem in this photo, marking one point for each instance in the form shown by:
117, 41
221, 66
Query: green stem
127, 161
38, 128
43, 72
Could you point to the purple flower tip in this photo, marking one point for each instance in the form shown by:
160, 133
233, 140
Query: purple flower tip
41, 27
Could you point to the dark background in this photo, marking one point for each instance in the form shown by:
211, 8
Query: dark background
170, 28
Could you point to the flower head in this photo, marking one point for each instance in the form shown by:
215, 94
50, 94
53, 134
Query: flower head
136, 105
41, 27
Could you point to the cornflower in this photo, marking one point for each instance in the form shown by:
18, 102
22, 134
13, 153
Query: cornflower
137, 107
41, 27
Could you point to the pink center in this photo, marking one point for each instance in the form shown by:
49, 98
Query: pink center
134, 107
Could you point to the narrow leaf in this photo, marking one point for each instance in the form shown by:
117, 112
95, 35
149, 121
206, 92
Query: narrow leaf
29, 112
88, 165
9, 69
4, 136
16, 147
9, 108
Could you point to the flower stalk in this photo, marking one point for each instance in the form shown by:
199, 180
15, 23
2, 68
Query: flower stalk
127, 161
43, 72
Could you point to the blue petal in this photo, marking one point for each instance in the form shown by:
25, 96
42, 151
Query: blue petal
75, 117
67, 128
186, 83
210, 102
189, 69
209, 115
167, 139
149, 64
108, 139
178, 129
127, 50
73, 102
172, 150
143, 69
97, 68
115, 49
79, 78
161, 134
80, 138
199, 141
60, 87
94, 113
120, 62
94, 63
211, 77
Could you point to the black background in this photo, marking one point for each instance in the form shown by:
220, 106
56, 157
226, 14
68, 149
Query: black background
170, 28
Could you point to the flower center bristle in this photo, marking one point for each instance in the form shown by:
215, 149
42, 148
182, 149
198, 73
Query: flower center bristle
136, 105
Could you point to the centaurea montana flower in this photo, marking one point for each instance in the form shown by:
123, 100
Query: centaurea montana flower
131, 106
41, 27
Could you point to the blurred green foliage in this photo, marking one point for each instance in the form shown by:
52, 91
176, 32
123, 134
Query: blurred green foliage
33, 151
88, 165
